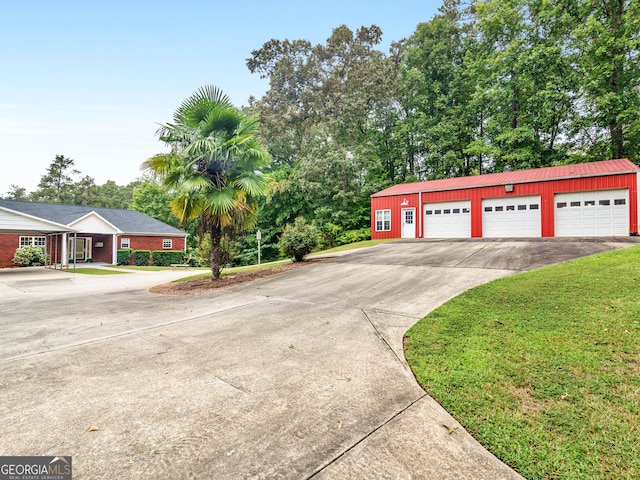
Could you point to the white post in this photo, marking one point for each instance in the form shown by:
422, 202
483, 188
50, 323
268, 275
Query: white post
114, 249
259, 237
65, 250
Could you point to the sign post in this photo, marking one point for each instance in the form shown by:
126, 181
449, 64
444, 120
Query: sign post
259, 237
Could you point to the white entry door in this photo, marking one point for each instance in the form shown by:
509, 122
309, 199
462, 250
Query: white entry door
408, 223
83, 249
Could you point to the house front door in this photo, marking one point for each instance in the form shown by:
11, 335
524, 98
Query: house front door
82, 250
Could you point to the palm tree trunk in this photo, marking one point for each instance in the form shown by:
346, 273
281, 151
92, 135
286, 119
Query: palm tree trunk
216, 253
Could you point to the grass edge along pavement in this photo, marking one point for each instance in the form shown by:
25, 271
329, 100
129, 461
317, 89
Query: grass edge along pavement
264, 266
543, 367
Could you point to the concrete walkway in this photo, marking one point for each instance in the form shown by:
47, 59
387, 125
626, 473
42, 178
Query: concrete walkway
301, 375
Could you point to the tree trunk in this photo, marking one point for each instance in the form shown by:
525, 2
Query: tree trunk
215, 255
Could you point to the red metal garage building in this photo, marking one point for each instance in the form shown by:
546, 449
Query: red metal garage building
587, 199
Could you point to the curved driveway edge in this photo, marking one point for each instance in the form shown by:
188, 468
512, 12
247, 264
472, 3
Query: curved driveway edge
301, 375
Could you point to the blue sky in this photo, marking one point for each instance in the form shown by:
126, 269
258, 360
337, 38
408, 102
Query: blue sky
91, 80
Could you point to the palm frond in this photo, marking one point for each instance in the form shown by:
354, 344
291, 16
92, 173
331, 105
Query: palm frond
196, 182
195, 108
252, 184
186, 207
219, 201
159, 164
224, 121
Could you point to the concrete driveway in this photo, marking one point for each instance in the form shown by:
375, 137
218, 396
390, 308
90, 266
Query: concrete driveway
300, 375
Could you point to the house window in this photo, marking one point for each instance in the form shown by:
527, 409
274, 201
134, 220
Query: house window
125, 243
33, 242
167, 243
383, 220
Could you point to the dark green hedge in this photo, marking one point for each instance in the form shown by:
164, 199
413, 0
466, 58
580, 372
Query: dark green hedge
164, 258
141, 257
124, 256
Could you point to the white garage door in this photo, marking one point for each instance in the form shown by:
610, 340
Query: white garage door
600, 213
511, 217
447, 219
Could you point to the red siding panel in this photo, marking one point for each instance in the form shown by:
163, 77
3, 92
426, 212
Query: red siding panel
545, 189
395, 204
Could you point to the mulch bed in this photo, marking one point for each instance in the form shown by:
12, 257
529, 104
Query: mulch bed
194, 287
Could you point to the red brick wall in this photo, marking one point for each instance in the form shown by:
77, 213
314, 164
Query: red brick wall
9, 243
152, 243
8, 246
104, 253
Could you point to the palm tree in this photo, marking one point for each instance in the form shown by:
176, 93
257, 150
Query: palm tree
214, 166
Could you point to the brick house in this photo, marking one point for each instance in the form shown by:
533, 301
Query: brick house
81, 233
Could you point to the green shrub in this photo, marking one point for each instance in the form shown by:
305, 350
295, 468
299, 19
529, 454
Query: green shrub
203, 250
164, 258
299, 240
352, 236
141, 257
29, 256
124, 256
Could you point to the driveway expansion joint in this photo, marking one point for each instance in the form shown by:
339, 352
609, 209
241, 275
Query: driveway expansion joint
384, 340
365, 437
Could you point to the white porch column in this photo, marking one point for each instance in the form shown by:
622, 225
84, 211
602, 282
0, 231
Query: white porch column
64, 259
114, 250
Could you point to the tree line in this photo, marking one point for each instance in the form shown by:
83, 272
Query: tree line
480, 87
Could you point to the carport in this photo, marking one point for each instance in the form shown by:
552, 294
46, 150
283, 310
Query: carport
18, 223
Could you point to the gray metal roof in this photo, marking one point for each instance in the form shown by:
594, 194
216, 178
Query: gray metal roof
128, 221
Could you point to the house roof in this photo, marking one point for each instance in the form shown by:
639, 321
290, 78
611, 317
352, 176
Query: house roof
593, 169
127, 221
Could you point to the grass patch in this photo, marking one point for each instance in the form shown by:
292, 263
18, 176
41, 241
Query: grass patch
543, 368
96, 271
147, 268
353, 246
229, 271
249, 268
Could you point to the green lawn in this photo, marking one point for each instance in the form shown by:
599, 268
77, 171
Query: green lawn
353, 246
248, 268
96, 271
543, 368
148, 268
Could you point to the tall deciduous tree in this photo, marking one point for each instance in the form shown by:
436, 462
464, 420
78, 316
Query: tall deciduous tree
54, 185
153, 199
17, 193
608, 40
326, 118
525, 80
214, 166
436, 127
